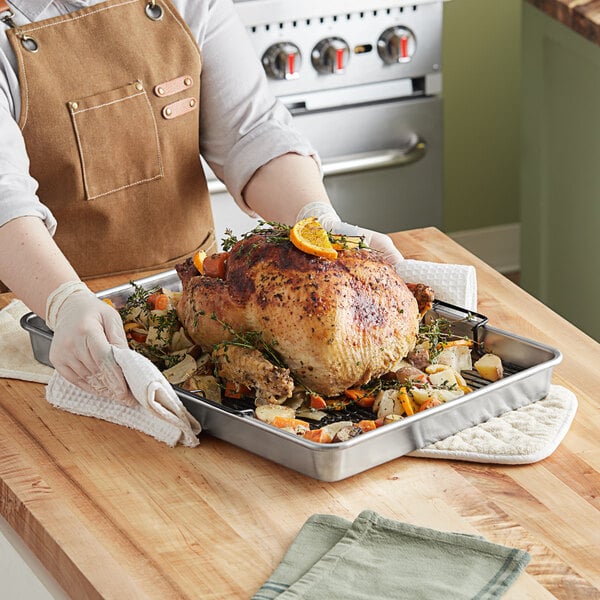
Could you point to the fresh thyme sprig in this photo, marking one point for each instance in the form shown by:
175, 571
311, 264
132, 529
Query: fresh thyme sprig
138, 299
275, 232
157, 355
347, 242
437, 333
250, 339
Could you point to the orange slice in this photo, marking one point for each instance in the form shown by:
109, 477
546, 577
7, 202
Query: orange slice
309, 236
198, 259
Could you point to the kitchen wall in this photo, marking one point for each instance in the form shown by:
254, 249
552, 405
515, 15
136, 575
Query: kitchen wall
482, 73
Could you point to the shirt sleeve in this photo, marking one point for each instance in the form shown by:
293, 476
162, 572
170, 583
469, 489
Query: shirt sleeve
243, 126
17, 188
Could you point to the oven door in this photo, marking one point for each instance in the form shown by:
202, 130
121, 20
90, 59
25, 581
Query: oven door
382, 165
382, 161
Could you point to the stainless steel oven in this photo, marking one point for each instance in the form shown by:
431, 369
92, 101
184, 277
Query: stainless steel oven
363, 81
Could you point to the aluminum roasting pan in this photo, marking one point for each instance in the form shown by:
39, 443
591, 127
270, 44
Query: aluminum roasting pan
528, 368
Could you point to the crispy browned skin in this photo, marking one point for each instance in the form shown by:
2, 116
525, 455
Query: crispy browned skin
424, 295
336, 324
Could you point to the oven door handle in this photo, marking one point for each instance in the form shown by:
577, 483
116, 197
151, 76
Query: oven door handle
379, 159
359, 163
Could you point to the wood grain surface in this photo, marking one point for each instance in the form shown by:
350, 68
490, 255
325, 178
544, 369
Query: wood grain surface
582, 16
114, 514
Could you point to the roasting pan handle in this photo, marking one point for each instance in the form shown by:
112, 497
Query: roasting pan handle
360, 162
379, 159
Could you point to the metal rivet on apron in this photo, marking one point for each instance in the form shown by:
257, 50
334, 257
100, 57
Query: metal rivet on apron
168, 111
187, 81
160, 91
29, 43
154, 11
74, 105
192, 103
139, 86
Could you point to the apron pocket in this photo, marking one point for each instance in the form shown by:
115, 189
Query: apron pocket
117, 139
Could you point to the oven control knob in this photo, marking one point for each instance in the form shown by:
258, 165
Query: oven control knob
396, 45
282, 61
331, 56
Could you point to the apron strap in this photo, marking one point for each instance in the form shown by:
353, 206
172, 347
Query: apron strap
6, 14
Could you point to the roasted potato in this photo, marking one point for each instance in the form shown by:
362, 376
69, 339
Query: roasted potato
489, 366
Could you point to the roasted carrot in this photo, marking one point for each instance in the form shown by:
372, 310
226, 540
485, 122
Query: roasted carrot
215, 265
429, 404
337, 403
407, 405
158, 301
235, 390
137, 336
318, 435
365, 401
286, 423
360, 397
317, 402
367, 425
354, 393
459, 342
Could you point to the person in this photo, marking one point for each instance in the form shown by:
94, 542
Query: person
105, 109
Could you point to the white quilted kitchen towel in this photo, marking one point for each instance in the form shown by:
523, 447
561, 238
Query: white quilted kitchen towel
455, 284
158, 411
16, 355
526, 435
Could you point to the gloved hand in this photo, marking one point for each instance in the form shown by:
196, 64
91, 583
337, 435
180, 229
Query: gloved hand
331, 221
84, 329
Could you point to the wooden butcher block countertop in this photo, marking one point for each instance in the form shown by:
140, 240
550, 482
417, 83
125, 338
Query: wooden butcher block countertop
582, 16
115, 514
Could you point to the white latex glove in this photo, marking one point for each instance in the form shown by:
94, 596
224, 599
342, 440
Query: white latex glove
331, 221
84, 330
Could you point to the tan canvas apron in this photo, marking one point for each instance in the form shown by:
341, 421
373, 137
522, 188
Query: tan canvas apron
110, 116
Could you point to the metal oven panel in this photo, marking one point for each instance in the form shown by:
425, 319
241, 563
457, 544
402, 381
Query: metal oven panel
382, 162
359, 25
528, 380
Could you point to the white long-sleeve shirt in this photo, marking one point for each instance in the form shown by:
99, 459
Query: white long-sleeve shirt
242, 125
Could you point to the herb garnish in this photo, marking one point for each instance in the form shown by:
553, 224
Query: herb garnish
437, 333
250, 339
275, 233
165, 325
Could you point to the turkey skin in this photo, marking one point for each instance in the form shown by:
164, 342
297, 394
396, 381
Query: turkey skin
336, 324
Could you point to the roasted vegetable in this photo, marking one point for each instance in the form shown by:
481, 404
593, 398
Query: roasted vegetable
181, 371
489, 366
268, 412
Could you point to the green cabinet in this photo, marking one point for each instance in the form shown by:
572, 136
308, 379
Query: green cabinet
560, 169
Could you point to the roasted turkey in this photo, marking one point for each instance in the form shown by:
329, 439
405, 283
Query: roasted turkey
335, 324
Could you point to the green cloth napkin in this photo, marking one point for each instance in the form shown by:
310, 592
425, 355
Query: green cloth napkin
377, 558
